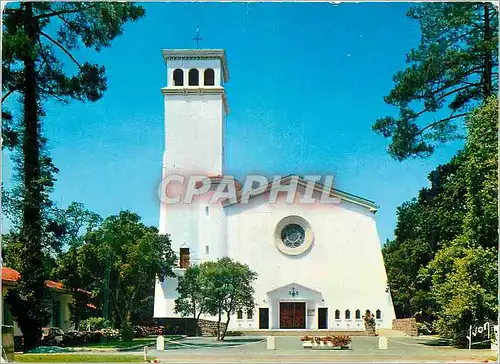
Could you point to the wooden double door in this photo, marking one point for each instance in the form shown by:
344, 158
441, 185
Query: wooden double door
292, 315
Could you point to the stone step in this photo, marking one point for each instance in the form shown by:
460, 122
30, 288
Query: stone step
303, 332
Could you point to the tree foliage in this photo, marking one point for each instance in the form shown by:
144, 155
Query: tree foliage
227, 287
454, 68
216, 288
442, 263
464, 287
191, 298
119, 262
35, 37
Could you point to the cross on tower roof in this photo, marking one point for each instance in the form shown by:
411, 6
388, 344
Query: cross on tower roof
197, 38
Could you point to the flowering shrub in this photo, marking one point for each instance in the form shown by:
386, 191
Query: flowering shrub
341, 341
109, 334
150, 330
76, 338
337, 341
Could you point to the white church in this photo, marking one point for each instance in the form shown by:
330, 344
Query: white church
320, 266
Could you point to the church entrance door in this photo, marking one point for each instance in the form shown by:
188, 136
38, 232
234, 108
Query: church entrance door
263, 318
322, 318
292, 315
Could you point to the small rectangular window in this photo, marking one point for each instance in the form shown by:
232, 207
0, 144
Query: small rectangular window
239, 315
207, 249
250, 315
378, 314
184, 258
206, 210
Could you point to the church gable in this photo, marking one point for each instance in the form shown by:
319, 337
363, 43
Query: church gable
303, 194
295, 290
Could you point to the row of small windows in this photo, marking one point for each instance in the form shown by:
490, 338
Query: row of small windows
347, 316
194, 77
239, 315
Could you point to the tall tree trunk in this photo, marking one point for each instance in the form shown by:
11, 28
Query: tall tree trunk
488, 56
32, 270
227, 325
218, 324
197, 321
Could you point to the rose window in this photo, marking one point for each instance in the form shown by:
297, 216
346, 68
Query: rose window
293, 235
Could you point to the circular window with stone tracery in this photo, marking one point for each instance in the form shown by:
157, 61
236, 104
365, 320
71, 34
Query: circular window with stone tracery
293, 235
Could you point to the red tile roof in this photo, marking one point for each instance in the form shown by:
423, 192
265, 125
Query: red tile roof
54, 284
9, 274
219, 178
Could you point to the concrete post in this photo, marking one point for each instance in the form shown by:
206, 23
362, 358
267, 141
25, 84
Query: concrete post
382, 343
160, 343
270, 343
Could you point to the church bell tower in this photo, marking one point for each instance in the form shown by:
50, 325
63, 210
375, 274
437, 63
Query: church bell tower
195, 110
195, 118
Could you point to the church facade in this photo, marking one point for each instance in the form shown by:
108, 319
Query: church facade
319, 266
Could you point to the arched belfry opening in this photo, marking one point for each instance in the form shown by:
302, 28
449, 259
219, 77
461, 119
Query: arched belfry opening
194, 77
209, 77
178, 77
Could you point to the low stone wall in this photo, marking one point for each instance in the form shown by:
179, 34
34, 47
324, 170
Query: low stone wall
178, 326
8, 341
187, 326
407, 325
209, 328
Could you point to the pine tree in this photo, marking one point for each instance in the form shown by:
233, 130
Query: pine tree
454, 69
35, 34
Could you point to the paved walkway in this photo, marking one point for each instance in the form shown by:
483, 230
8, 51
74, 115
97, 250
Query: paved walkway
289, 349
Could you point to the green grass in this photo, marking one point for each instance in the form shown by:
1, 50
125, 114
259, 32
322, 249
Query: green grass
213, 344
118, 344
73, 357
121, 344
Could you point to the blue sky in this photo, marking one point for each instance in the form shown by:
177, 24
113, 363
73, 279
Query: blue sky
307, 82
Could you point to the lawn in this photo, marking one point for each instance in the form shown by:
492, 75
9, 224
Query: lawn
118, 344
74, 357
212, 343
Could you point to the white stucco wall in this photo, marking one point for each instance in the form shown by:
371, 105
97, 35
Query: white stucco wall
344, 263
194, 144
342, 270
194, 133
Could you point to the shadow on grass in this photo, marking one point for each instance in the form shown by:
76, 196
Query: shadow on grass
486, 344
227, 343
437, 342
243, 341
